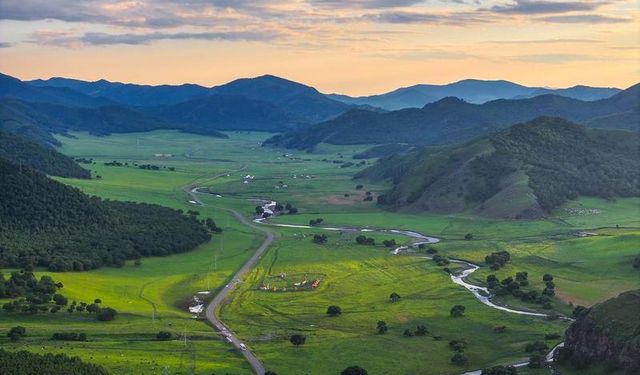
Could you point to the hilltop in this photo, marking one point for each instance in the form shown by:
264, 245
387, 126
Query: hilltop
22, 151
522, 172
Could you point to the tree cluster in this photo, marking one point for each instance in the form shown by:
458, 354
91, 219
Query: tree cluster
498, 259
511, 286
364, 240
23, 362
320, 238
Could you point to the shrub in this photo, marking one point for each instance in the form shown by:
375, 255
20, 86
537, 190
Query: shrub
459, 359
457, 311
354, 370
106, 314
69, 336
298, 339
163, 336
334, 310
16, 333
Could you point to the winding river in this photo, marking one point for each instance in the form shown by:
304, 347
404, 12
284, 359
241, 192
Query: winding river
482, 294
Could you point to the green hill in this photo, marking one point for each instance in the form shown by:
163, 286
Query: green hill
21, 151
49, 224
452, 120
521, 172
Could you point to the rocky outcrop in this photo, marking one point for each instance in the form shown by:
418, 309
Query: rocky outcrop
608, 333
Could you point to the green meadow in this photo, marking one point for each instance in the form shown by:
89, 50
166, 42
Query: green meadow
153, 296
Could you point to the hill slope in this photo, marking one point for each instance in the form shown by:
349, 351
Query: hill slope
21, 151
49, 224
521, 172
469, 90
608, 333
41, 119
453, 120
225, 112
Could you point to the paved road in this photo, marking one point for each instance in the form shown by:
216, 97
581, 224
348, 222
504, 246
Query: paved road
210, 312
212, 308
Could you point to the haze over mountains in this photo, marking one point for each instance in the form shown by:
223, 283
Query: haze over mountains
472, 91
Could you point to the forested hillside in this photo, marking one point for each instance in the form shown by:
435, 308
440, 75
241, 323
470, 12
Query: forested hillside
49, 224
521, 172
21, 151
26, 363
452, 120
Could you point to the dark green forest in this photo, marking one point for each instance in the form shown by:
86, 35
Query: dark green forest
26, 363
22, 151
48, 224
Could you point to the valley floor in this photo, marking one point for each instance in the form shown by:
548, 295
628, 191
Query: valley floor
154, 296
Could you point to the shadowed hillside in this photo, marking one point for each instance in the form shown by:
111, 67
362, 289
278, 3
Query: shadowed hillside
453, 120
521, 172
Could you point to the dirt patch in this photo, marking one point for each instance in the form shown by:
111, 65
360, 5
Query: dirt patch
402, 318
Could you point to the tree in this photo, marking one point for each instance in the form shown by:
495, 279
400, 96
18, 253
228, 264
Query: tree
259, 210
457, 311
500, 370
459, 359
407, 333
394, 297
334, 310
547, 277
320, 238
163, 336
354, 370
468, 236
270, 373
106, 314
60, 300
421, 330
298, 339
382, 327
16, 333
278, 207
389, 243
97, 301
359, 187
137, 262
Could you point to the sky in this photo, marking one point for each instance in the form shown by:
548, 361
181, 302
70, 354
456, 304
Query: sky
356, 47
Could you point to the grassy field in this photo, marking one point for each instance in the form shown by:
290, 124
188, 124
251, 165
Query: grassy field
357, 278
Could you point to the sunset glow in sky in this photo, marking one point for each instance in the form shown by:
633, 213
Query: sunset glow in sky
353, 47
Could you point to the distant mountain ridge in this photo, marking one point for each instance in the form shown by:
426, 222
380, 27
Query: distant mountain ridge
452, 120
472, 91
300, 102
522, 172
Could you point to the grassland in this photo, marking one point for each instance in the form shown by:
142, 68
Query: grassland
357, 278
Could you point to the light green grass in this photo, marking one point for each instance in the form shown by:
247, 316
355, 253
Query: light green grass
358, 278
